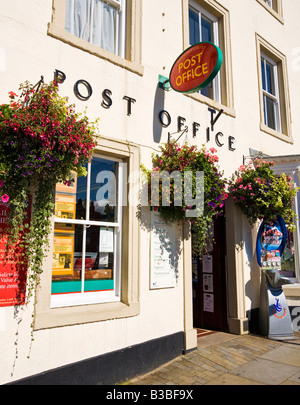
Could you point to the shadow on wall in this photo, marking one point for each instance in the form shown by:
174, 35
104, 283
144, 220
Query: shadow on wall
252, 286
159, 102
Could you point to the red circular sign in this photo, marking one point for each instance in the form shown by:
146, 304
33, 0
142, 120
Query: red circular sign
196, 67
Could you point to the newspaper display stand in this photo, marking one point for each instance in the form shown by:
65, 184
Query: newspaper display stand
274, 315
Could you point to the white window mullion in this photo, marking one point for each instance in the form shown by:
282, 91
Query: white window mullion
278, 114
83, 258
91, 25
87, 215
88, 191
122, 30
118, 232
217, 79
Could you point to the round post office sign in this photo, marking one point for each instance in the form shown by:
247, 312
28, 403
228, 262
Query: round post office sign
196, 67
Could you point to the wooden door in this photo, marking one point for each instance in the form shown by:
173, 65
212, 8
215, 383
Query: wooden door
210, 283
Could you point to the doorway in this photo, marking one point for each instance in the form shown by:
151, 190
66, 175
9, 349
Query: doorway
210, 309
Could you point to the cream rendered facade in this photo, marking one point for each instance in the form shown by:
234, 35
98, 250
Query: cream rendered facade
34, 43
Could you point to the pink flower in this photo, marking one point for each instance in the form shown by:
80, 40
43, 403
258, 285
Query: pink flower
5, 198
12, 95
1, 183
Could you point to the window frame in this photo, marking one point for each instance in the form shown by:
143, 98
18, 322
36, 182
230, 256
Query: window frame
132, 43
120, 29
276, 9
265, 48
223, 17
84, 298
128, 305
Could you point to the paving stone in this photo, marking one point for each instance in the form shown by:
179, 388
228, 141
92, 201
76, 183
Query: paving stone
266, 371
230, 379
284, 354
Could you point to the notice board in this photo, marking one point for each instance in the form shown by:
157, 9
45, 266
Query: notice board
163, 268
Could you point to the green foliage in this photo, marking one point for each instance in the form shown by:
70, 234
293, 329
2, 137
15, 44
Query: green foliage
174, 158
43, 139
262, 194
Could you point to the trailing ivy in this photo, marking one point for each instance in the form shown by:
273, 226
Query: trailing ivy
43, 140
188, 159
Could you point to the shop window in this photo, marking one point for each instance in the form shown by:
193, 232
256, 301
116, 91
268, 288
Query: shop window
208, 21
100, 23
87, 243
109, 29
274, 91
91, 273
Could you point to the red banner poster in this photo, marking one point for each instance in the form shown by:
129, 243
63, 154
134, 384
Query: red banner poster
12, 273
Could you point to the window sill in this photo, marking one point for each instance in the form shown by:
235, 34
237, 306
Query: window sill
271, 11
61, 34
57, 317
213, 104
276, 134
292, 290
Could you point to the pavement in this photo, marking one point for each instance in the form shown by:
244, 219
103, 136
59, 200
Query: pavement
227, 359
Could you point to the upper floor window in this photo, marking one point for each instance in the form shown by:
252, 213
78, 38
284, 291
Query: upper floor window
204, 27
108, 29
273, 91
269, 3
274, 7
270, 88
102, 23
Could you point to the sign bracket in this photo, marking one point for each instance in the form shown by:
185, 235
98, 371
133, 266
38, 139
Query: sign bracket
185, 130
164, 83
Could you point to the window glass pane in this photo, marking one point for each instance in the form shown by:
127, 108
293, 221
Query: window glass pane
81, 196
263, 74
67, 248
94, 21
194, 27
270, 85
99, 262
288, 258
269, 2
208, 91
103, 191
206, 30
104, 26
271, 106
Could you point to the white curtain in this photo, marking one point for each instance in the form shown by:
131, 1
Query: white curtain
94, 21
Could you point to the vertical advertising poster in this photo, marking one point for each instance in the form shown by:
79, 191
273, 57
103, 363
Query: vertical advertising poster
162, 274
12, 272
63, 254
